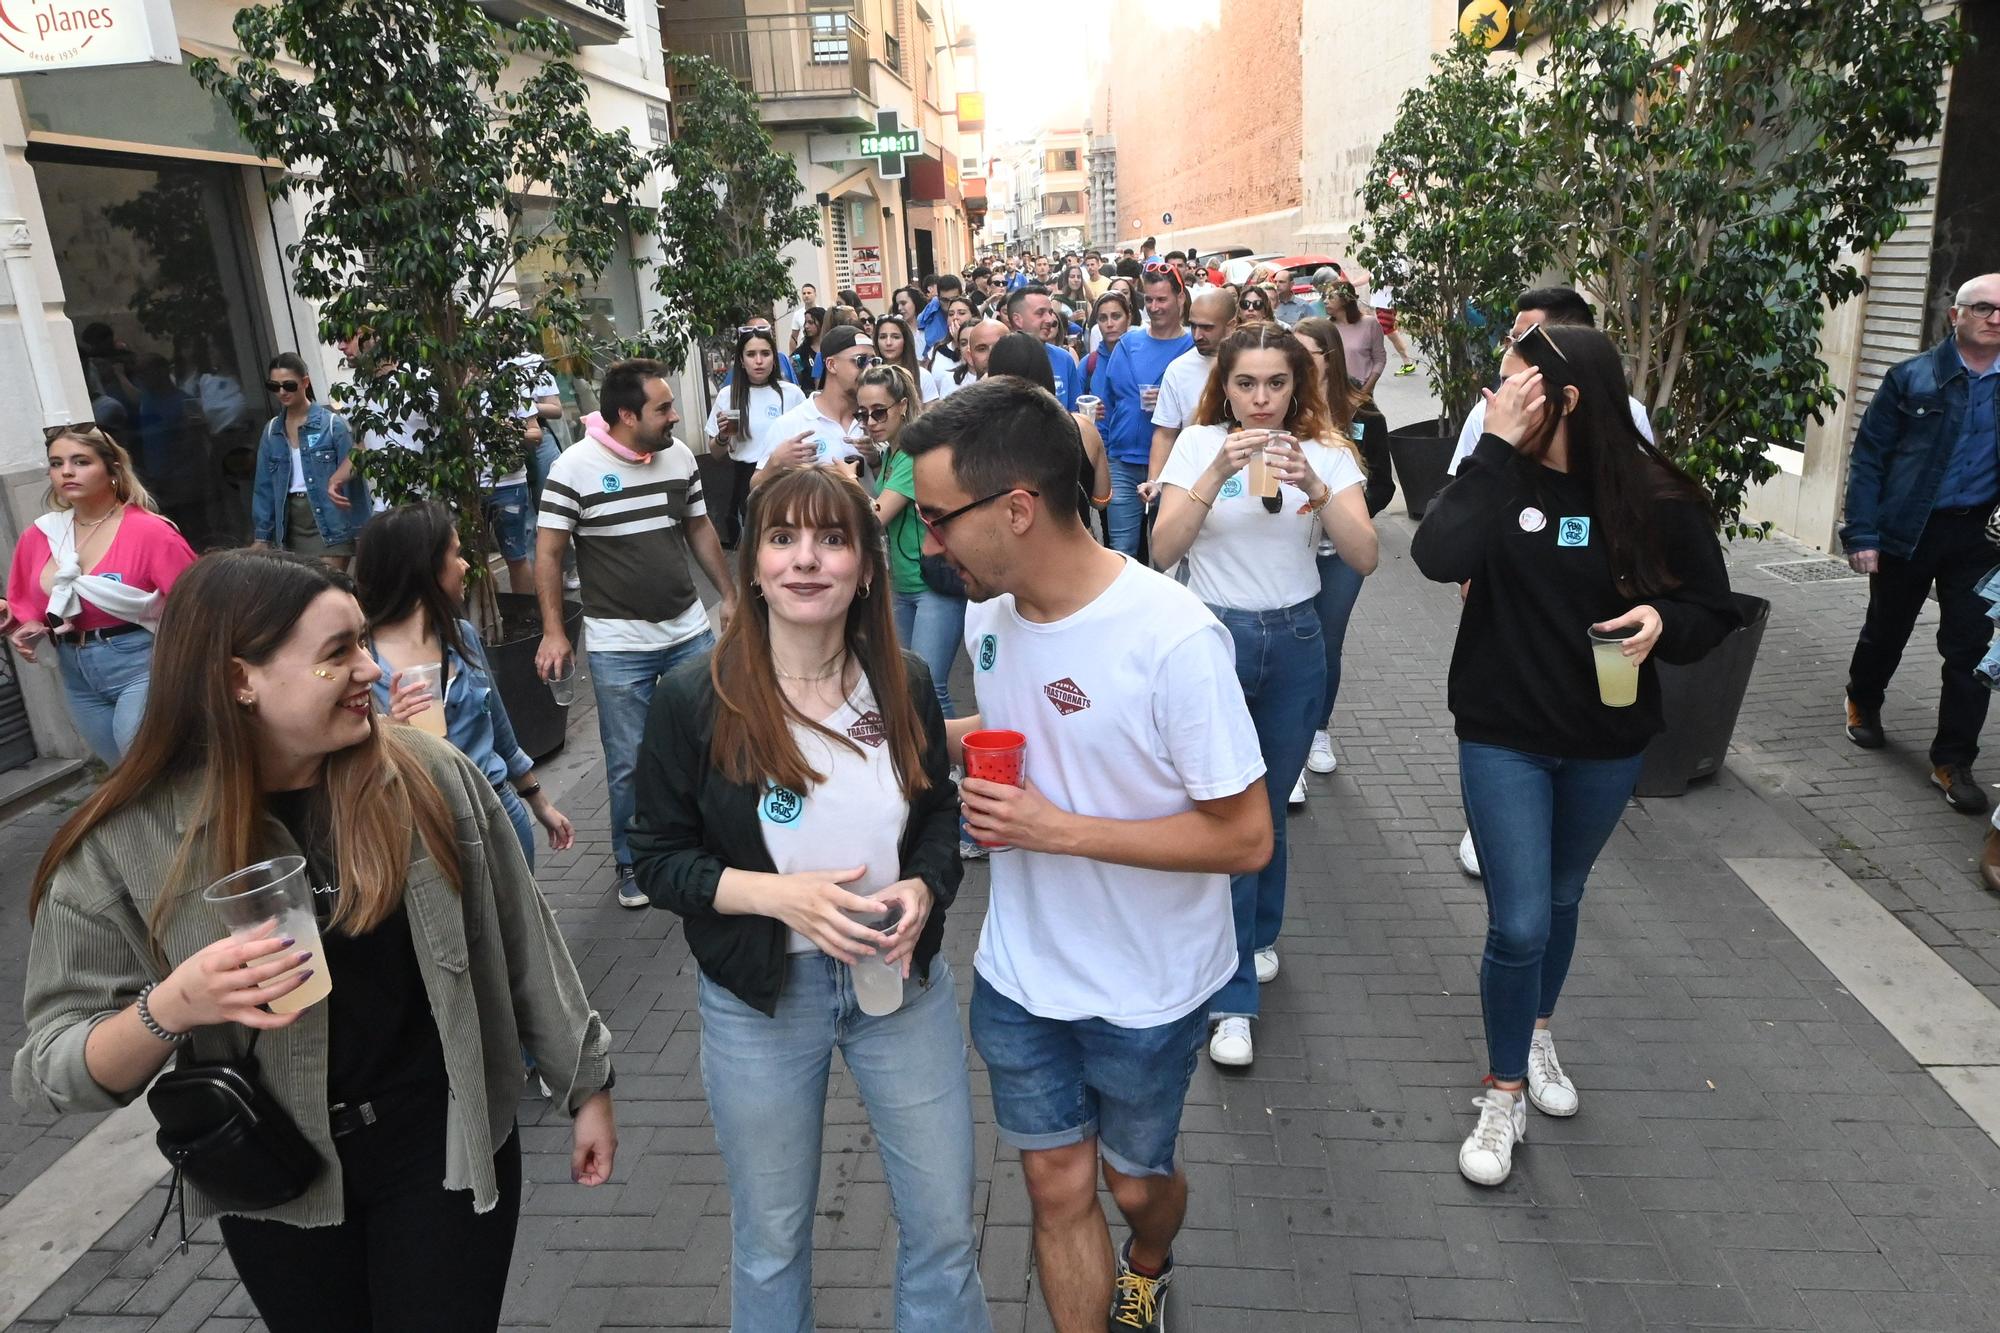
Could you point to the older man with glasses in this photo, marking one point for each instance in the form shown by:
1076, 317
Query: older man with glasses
1921, 484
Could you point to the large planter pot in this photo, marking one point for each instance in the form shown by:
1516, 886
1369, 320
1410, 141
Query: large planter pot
1422, 451
539, 722
1700, 702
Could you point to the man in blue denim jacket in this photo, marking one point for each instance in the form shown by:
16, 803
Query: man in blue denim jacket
1922, 479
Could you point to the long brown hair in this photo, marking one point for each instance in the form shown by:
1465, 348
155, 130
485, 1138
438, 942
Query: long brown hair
1305, 417
753, 741
1343, 396
125, 483
244, 604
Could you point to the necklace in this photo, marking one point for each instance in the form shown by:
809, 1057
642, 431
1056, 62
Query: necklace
95, 523
837, 664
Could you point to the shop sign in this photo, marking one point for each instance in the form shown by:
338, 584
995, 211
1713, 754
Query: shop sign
865, 271
42, 36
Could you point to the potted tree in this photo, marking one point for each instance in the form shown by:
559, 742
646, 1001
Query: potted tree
1721, 162
413, 139
1456, 225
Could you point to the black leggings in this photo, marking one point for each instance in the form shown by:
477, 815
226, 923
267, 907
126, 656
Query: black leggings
411, 1254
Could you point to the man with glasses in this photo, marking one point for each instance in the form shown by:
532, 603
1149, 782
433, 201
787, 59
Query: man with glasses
1108, 925
822, 429
1921, 484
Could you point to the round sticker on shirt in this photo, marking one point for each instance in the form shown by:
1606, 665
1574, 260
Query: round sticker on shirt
989, 652
1533, 519
612, 484
781, 806
1230, 489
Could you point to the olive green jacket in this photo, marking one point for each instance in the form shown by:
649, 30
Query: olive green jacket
494, 965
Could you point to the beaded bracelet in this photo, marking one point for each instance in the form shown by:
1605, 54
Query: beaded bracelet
153, 1024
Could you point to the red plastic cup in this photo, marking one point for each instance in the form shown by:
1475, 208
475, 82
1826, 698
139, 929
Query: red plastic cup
996, 756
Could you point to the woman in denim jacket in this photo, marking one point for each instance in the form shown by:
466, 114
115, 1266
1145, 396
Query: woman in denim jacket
302, 445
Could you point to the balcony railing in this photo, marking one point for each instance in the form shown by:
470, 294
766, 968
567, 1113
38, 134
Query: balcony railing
590, 22
782, 55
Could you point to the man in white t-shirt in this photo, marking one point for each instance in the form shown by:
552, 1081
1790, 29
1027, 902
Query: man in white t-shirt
1109, 925
1212, 319
822, 429
631, 495
1383, 302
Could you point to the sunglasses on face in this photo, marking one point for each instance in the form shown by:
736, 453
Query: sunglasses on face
1255, 305
282, 386
867, 362
877, 413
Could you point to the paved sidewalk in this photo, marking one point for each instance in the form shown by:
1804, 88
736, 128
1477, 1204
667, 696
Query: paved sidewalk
1754, 1150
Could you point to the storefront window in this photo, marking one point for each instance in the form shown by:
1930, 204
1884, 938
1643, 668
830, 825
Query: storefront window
155, 273
610, 302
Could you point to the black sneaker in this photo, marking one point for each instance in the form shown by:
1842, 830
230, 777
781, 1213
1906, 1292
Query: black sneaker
1138, 1301
1864, 726
1962, 791
629, 892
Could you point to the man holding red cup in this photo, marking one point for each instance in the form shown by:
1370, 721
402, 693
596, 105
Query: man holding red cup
1136, 791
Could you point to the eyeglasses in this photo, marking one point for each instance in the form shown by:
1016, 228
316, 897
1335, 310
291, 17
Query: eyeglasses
1981, 309
1516, 342
873, 413
282, 386
935, 526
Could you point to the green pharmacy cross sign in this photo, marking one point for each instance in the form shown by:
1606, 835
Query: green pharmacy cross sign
891, 145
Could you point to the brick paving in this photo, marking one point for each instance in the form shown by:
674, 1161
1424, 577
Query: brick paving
1754, 1150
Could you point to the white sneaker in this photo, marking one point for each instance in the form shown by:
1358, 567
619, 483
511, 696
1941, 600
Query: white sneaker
1322, 759
1468, 855
1298, 796
1231, 1043
1487, 1155
1548, 1087
1267, 966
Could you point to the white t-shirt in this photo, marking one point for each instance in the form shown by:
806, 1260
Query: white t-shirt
853, 818
1245, 557
948, 383
298, 471
1475, 426
1132, 710
806, 415
755, 434
1383, 298
1181, 385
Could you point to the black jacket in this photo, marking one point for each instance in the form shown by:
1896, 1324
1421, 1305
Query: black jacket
690, 823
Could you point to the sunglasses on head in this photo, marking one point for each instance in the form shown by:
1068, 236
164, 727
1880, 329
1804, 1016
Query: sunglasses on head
1517, 343
282, 386
877, 413
86, 429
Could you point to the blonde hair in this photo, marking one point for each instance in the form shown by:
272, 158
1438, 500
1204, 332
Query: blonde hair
125, 483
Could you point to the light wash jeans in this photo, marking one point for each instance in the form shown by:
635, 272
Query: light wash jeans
624, 683
1283, 674
932, 625
766, 1080
106, 681
1125, 516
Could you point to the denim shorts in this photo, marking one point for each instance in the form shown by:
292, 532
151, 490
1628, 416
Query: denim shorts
1057, 1082
507, 515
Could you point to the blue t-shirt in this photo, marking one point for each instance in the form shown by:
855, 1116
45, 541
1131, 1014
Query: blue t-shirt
1069, 375
1016, 281
1138, 360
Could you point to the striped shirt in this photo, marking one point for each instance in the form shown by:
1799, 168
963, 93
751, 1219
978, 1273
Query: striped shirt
629, 524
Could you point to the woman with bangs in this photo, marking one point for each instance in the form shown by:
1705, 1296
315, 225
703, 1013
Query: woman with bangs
795, 794
261, 741
1248, 493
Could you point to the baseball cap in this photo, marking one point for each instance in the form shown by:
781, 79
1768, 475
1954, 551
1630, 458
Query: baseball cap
843, 339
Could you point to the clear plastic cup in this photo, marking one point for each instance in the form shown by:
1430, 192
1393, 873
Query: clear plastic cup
1617, 674
431, 719
1091, 406
1149, 397
563, 687
276, 890
996, 756
878, 986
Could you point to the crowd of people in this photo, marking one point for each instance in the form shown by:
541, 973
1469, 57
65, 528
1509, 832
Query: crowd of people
1141, 501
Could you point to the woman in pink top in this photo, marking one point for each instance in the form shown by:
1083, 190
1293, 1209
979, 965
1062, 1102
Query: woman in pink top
1360, 337
92, 574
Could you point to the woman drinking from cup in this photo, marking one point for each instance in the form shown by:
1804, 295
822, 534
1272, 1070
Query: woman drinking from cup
443, 959
755, 396
796, 810
410, 578
303, 446
1570, 526
1247, 494
92, 574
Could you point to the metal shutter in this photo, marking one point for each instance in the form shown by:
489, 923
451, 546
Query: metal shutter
17, 742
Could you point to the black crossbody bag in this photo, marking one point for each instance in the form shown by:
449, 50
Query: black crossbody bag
223, 1132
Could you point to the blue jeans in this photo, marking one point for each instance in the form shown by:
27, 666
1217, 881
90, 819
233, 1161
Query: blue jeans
1538, 824
106, 681
766, 1080
623, 683
1339, 589
1125, 517
507, 511
517, 814
932, 626
1283, 674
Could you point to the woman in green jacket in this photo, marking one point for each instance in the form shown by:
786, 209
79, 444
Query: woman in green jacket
261, 740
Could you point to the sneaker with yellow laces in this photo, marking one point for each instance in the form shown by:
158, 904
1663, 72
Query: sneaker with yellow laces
1138, 1301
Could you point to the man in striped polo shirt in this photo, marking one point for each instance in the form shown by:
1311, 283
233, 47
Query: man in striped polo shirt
630, 494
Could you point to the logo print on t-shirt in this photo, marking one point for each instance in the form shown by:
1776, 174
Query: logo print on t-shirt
1573, 532
1230, 489
781, 806
1067, 696
612, 485
868, 729
989, 651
